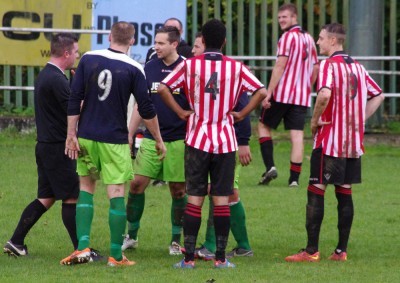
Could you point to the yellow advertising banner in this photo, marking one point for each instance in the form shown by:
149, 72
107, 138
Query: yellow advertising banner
33, 48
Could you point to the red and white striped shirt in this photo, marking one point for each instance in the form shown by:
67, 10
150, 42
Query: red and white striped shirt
295, 84
351, 87
213, 84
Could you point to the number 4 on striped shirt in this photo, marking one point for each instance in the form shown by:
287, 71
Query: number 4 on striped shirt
211, 86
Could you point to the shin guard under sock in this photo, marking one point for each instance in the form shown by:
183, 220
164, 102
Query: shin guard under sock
267, 152
345, 215
117, 223
134, 212
191, 226
314, 217
29, 217
84, 217
221, 225
68, 214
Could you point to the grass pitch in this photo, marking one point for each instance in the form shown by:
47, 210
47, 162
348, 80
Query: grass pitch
275, 222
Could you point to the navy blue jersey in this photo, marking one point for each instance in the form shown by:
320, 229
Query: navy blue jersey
172, 128
104, 80
242, 128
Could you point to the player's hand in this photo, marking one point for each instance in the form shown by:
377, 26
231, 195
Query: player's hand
161, 149
266, 102
315, 124
72, 147
185, 114
237, 116
130, 141
244, 155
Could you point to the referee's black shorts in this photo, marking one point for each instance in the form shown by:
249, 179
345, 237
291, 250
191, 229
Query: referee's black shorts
326, 169
293, 116
200, 164
57, 177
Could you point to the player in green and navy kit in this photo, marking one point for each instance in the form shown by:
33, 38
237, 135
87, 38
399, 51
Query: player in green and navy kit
173, 130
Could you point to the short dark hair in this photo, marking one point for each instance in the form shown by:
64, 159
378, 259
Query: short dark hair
122, 32
62, 42
175, 19
214, 33
198, 34
288, 6
173, 33
337, 30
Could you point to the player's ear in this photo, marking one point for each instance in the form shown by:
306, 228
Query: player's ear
223, 44
132, 41
333, 40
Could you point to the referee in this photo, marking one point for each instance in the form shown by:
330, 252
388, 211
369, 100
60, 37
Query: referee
57, 177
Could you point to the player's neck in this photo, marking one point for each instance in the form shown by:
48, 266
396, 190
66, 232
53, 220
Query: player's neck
58, 63
170, 59
120, 48
335, 49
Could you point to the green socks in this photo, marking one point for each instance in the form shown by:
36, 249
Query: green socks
84, 217
134, 211
117, 223
238, 225
177, 210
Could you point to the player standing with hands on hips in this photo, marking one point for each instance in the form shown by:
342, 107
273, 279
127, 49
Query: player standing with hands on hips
347, 97
213, 84
238, 215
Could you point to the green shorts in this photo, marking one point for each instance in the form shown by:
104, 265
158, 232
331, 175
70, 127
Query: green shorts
111, 162
238, 167
171, 169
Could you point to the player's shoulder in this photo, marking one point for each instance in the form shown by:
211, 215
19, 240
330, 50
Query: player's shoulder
233, 61
52, 71
114, 55
152, 63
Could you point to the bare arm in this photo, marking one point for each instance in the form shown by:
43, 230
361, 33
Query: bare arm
373, 104
71, 143
320, 105
154, 129
166, 96
314, 74
255, 100
134, 123
277, 73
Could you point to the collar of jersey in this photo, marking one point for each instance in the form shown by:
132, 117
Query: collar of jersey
56, 67
339, 53
293, 27
212, 50
116, 51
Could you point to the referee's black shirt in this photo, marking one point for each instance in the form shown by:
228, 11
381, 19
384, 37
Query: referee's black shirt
52, 91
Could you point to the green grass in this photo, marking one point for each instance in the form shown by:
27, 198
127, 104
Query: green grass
275, 221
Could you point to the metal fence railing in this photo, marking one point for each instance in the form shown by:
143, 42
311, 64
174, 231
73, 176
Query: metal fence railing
252, 33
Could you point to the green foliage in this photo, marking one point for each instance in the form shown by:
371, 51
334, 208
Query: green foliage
275, 220
393, 127
11, 110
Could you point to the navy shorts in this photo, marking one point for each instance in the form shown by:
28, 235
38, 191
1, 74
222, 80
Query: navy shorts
326, 169
57, 177
293, 116
199, 164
